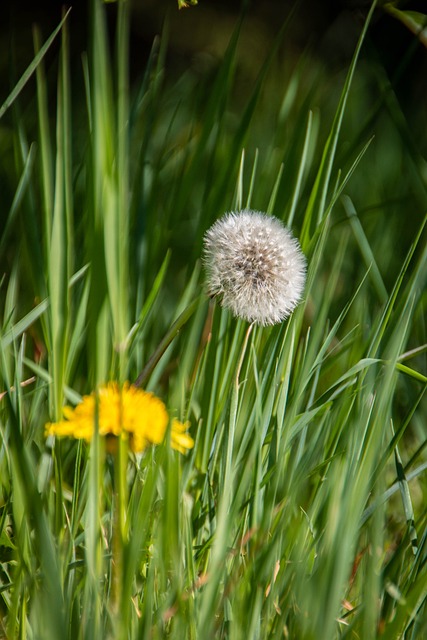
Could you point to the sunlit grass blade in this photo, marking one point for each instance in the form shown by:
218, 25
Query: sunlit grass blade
24, 323
60, 247
316, 206
365, 250
301, 170
406, 500
382, 324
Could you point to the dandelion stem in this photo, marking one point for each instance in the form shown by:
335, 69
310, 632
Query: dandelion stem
242, 356
119, 526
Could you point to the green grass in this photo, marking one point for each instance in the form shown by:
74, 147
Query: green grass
300, 512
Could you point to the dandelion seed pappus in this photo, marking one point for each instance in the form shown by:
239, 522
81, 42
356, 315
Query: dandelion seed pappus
254, 266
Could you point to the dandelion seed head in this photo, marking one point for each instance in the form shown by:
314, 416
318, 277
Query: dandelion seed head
255, 266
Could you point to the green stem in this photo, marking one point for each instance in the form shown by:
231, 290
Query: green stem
117, 606
233, 410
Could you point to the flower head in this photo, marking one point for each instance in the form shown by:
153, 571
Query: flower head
128, 412
255, 266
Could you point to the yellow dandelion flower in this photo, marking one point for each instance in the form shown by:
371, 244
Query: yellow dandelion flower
180, 439
128, 412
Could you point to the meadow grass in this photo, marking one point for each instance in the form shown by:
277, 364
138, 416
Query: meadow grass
300, 512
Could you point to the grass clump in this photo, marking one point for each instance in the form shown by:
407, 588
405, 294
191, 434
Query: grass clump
300, 510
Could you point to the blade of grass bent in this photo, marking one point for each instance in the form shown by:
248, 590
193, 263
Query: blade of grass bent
385, 317
365, 249
164, 344
31, 68
18, 197
22, 325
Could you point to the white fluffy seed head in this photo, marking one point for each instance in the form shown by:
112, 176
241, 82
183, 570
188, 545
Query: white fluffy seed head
255, 266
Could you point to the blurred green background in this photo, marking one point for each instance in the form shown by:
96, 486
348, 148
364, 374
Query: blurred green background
306, 72
388, 99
